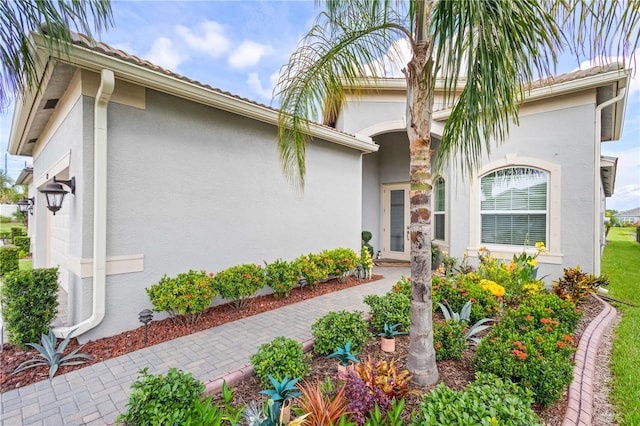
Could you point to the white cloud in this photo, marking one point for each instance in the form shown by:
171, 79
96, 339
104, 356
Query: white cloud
253, 80
213, 40
164, 54
248, 54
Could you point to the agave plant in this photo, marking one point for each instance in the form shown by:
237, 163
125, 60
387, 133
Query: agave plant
477, 328
389, 331
52, 356
282, 391
343, 353
449, 313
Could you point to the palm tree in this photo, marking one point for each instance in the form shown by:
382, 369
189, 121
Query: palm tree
54, 18
485, 52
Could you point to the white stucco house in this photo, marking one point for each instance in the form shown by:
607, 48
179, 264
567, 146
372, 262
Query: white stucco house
171, 174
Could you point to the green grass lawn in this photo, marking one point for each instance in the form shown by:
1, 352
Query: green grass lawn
621, 262
6, 227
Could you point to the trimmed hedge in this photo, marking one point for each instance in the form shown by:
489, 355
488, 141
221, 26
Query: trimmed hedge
23, 243
30, 302
9, 256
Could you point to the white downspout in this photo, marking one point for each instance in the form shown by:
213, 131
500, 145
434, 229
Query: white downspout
597, 247
107, 82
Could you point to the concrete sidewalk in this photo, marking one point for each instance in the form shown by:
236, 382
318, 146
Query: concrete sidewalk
96, 394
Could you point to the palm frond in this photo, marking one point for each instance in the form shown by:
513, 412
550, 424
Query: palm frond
487, 52
598, 29
53, 18
345, 45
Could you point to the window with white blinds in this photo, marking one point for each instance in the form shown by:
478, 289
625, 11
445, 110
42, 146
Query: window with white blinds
439, 209
514, 206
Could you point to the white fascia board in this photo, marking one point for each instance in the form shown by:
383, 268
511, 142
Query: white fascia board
568, 87
123, 70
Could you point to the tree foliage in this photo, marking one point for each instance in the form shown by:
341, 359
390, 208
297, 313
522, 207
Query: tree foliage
54, 18
485, 53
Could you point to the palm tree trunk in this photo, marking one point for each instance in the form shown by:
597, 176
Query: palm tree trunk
421, 360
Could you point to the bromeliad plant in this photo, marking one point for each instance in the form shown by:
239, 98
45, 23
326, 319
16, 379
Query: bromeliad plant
52, 356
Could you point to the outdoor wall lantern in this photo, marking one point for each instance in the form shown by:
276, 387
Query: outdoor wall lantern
55, 192
26, 205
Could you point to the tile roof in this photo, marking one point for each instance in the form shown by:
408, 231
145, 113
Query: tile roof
85, 41
100, 47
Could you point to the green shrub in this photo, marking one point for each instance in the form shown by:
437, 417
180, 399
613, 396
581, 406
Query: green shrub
17, 231
281, 276
184, 297
23, 243
458, 290
404, 286
282, 357
343, 260
310, 270
540, 311
337, 328
449, 340
576, 285
392, 308
9, 257
239, 283
535, 360
5, 219
532, 346
488, 400
29, 303
159, 400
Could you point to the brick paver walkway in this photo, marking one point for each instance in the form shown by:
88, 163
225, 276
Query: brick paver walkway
96, 394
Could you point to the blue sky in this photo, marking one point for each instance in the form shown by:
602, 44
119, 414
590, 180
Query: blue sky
240, 46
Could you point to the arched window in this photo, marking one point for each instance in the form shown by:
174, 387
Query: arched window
439, 209
514, 206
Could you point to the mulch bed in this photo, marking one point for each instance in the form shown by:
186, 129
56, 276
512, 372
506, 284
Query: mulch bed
158, 331
455, 374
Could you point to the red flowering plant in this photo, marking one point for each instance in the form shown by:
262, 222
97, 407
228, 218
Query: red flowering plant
340, 262
184, 297
531, 345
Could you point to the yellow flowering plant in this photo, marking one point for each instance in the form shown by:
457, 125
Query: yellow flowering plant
525, 264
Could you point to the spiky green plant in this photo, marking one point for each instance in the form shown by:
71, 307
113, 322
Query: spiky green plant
52, 356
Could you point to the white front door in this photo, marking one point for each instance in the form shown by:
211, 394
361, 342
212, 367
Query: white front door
395, 213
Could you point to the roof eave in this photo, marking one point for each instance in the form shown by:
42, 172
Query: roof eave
96, 61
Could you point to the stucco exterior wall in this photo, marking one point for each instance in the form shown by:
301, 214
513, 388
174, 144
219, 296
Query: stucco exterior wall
558, 133
191, 187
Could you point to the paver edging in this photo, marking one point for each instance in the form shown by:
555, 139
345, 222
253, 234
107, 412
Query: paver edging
580, 407
233, 377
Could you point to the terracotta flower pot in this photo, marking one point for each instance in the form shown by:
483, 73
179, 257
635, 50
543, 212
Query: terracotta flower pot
388, 345
342, 369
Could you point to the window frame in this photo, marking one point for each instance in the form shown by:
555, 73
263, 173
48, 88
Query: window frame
554, 187
512, 213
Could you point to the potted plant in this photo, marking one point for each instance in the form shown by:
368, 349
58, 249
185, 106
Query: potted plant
388, 341
282, 392
346, 358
